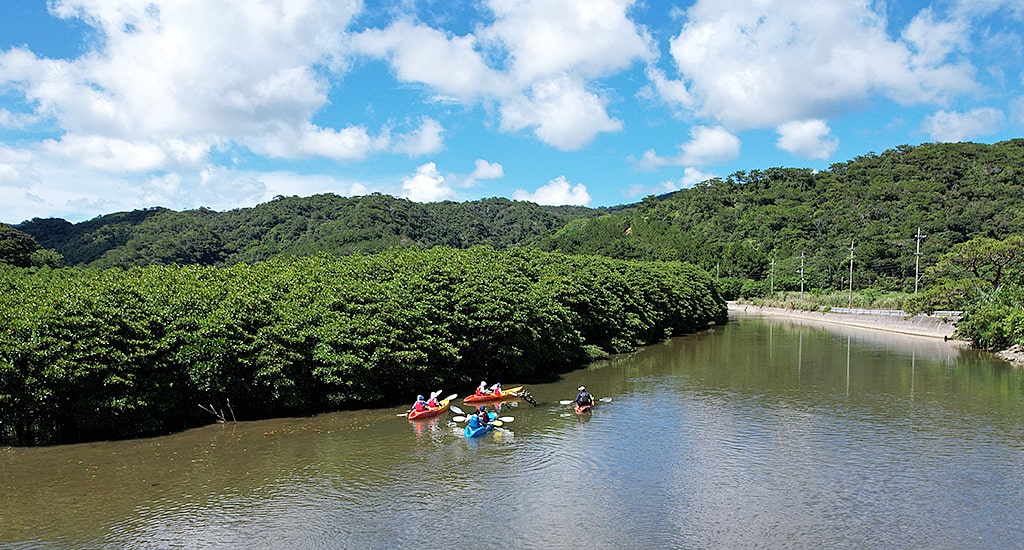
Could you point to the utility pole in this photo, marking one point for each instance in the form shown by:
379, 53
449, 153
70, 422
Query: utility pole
917, 259
772, 279
851, 274
801, 275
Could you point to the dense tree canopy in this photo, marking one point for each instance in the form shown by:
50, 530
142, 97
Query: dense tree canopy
110, 353
736, 226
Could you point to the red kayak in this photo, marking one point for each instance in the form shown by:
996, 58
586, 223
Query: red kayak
510, 393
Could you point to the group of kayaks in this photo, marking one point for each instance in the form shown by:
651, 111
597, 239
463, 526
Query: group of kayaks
475, 428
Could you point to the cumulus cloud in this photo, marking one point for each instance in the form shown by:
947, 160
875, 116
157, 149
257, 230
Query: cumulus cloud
954, 126
424, 140
707, 145
535, 61
807, 138
451, 65
546, 38
560, 112
556, 192
755, 64
427, 185
484, 170
308, 140
168, 74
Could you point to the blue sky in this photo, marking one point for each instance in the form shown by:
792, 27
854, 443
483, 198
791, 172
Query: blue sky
113, 105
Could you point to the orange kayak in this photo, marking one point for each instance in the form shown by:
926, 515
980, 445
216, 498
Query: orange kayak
510, 393
431, 411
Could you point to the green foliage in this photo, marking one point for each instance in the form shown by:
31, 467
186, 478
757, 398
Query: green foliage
293, 226
90, 353
735, 226
995, 319
21, 250
731, 288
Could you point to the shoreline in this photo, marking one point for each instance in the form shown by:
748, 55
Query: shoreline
926, 326
919, 325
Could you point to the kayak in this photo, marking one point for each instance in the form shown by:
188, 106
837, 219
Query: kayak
431, 411
481, 430
583, 409
511, 393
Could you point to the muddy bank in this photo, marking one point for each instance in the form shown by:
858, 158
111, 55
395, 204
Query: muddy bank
918, 325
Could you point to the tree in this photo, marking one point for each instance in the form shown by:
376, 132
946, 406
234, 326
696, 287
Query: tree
990, 260
21, 250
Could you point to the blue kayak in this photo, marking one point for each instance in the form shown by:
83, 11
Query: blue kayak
480, 430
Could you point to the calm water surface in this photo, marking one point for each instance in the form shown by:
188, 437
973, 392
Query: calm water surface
764, 433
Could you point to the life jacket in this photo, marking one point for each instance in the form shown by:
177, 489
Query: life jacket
584, 398
474, 422
433, 402
419, 406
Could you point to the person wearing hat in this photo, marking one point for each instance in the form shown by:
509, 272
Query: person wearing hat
420, 405
583, 398
482, 415
432, 402
482, 389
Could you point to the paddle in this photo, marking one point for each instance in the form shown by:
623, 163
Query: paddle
505, 419
570, 402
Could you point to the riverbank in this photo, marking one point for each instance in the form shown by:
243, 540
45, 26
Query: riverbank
918, 325
929, 326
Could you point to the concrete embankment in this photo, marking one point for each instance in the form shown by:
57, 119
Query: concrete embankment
917, 325
931, 326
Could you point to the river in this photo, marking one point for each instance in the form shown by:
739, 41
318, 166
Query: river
764, 433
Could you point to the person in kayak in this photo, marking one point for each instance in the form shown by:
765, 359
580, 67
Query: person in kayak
482, 389
481, 415
432, 402
420, 405
583, 398
496, 389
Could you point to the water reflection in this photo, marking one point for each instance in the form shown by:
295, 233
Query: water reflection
756, 434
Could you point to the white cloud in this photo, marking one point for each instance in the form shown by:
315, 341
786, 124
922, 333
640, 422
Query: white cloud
546, 38
707, 145
452, 65
560, 112
427, 185
556, 192
759, 63
424, 140
807, 138
484, 170
692, 176
350, 143
166, 73
953, 126
673, 92
535, 61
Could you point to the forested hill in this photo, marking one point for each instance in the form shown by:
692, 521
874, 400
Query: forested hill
757, 225
763, 224
294, 226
